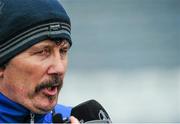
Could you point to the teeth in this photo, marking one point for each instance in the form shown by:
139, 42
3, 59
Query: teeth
49, 88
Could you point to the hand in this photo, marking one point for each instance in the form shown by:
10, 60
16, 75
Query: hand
74, 120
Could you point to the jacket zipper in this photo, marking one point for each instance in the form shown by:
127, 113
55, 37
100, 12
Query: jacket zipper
32, 116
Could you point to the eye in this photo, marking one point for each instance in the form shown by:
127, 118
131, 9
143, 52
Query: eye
63, 52
43, 52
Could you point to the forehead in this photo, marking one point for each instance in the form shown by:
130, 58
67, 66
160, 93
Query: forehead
60, 43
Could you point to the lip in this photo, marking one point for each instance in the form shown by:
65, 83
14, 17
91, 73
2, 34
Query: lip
50, 91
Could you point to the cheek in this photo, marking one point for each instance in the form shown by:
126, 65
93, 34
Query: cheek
25, 76
35, 74
66, 63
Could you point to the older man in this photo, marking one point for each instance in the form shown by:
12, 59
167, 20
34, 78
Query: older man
34, 43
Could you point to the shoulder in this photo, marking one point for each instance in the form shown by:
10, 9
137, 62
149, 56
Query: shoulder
65, 111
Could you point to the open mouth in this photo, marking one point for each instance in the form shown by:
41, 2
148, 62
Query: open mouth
50, 91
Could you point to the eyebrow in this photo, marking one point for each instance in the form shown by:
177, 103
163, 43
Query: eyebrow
62, 44
40, 46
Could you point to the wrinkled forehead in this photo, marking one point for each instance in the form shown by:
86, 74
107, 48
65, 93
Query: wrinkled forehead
60, 43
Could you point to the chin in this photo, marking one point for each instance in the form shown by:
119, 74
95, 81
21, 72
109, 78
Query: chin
44, 109
45, 106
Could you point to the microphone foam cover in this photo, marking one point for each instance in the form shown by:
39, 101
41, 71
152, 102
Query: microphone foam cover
89, 111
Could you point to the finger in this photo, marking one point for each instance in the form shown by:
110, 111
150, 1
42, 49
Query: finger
74, 120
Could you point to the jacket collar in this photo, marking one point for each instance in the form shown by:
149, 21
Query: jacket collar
12, 112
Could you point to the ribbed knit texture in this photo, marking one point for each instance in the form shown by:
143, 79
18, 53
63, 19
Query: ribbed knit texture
24, 23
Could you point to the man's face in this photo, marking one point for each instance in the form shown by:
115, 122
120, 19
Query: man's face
35, 77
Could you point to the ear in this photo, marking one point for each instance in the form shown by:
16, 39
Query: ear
2, 72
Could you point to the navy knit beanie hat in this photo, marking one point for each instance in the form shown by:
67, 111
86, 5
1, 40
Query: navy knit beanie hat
24, 23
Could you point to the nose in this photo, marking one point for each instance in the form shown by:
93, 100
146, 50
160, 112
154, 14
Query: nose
58, 65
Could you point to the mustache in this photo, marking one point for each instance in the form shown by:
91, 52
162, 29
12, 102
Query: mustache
54, 81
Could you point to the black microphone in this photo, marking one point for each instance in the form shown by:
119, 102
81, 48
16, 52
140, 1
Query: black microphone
87, 112
90, 112
57, 118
